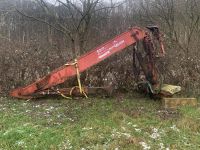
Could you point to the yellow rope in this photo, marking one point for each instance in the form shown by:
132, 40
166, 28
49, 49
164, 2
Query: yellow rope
66, 97
72, 89
78, 77
79, 80
72, 64
75, 63
85, 94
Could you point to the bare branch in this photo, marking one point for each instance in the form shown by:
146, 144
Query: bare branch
40, 20
74, 6
70, 11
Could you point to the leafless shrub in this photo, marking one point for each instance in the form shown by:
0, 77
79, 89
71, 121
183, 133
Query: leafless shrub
39, 37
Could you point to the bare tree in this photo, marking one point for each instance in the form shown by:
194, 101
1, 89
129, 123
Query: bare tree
73, 19
42, 36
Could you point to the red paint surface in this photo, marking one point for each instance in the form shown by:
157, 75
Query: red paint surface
86, 61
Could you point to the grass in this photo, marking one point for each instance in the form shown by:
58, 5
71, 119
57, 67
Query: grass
95, 123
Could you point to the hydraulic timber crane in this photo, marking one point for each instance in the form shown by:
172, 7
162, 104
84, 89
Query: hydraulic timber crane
151, 76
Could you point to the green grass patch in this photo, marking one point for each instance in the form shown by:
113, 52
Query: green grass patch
95, 123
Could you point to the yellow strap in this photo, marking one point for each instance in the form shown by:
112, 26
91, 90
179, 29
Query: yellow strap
66, 97
71, 64
85, 94
72, 89
78, 79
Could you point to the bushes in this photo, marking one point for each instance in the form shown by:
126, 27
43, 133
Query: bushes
30, 49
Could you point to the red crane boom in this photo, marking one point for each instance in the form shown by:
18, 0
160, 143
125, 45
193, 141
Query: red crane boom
96, 55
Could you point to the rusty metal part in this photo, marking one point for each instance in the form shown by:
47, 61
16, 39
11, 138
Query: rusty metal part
131, 37
147, 71
75, 92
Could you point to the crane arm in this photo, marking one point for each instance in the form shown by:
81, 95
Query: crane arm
84, 62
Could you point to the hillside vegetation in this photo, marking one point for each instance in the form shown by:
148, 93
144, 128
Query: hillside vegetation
37, 37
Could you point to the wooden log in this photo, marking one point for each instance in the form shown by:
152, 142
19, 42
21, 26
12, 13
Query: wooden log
177, 102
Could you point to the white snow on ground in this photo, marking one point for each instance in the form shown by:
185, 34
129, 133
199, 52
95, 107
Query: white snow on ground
65, 145
87, 128
145, 146
155, 134
175, 128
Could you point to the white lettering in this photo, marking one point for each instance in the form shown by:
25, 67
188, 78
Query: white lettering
102, 52
106, 53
